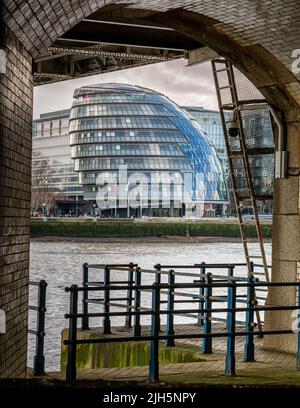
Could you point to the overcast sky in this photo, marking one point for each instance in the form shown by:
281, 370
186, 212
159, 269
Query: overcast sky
185, 85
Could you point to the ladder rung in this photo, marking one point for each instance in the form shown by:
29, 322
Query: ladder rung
261, 290
239, 198
259, 273
241, 190
227, 106
254, 256
224, 87
236, 153
222, 70
234, 137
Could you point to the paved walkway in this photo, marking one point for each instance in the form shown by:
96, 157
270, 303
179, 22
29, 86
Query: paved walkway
267, 363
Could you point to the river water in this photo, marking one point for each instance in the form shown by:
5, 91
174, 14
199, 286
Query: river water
59, 263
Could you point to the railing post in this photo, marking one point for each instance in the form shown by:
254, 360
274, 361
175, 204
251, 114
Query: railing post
298, 335
230, 271
170, 318
106, 319
207, 340
230, 353
128, 318
137, 303
158, 281
230, 274
85, 296
154, 346
39, 358
72, 347
201, 294
249, 341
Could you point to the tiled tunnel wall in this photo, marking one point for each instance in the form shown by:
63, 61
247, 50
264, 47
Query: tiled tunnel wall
15, 177
264, 34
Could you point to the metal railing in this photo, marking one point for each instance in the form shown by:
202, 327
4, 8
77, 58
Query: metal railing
230, 283
39, 333
133, 298
106, 300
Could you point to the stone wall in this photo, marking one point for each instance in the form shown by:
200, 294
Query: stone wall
286, 245
15, 177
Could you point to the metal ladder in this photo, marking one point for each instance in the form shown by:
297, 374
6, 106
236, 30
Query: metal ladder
236, 148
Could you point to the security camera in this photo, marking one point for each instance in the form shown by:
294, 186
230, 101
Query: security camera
233, 128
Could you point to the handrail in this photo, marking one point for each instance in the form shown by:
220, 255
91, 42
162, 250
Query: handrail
133, 297
206, 312
106, 301
185, 286
39, 333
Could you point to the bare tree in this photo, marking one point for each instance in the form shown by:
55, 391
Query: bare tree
41, 197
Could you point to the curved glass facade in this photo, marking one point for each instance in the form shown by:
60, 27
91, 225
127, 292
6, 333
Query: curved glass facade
142, 132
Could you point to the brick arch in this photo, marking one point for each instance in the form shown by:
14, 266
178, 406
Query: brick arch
273, 79
257, 38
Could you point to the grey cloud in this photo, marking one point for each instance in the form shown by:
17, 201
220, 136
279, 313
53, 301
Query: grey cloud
184, 85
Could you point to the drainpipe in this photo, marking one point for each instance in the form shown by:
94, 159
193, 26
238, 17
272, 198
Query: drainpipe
281, 155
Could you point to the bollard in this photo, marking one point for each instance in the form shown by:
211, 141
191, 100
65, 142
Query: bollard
207, 340
201, 294
230, 352
154, 346
106, 319
170, 318
249, 341
85, 307
128, 318
39, 358
137, 303
72, 347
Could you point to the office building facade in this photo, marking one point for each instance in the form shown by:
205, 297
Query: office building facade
138, 153
55, 186
210, 122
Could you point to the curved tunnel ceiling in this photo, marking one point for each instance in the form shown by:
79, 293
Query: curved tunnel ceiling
257, 38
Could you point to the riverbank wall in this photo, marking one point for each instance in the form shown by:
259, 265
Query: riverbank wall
123, 228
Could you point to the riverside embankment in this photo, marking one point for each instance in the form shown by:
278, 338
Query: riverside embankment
99, 228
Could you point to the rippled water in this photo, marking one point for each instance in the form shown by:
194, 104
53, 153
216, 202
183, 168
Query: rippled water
59, 263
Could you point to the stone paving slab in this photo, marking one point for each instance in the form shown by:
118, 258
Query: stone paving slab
214, 363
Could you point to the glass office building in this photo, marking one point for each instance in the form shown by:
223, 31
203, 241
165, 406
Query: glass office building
210, 123
138, 153
55, 186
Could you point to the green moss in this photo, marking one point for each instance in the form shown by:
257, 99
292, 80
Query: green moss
112, 355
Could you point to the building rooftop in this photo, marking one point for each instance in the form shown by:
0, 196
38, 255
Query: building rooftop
65, 113
112, 87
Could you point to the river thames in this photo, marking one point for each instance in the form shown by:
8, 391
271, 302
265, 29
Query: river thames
60, 262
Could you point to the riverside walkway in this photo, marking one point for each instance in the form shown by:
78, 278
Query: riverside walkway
270, 367
217, 348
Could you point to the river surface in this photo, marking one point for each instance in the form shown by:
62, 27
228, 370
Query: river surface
59, 263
